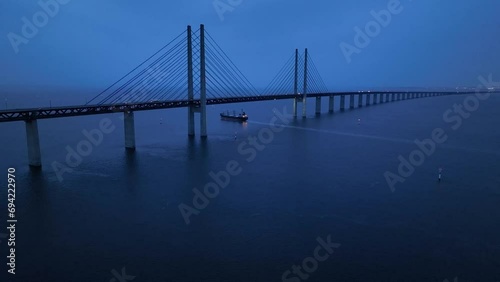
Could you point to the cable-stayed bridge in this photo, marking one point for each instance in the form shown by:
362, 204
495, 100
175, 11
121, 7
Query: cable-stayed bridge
193, 71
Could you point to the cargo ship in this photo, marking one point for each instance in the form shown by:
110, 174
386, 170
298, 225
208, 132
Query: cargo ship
234, 117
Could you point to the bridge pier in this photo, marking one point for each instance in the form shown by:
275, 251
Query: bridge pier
294, 107
375, 97
360, 100
129, 126
33, 141
351, 101
304, 108
318, 106
342, 102
368, 98
191, 112
331, 101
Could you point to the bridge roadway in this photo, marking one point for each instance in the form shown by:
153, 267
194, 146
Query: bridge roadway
29, 114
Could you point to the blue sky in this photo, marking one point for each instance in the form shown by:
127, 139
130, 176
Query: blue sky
89, 44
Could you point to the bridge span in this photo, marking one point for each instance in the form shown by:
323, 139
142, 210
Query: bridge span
192, 71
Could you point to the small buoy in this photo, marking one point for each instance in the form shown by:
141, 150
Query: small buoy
439, 174
161, 121
359, 121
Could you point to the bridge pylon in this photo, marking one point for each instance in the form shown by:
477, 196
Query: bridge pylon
200, 108
302, 99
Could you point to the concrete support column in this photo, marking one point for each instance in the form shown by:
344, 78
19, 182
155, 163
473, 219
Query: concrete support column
304, 107
375, 99
191, 122
342, 102
129, 125
294, 107
360, 100
318, 106
368, 98
33, 141
351, 101
331, 102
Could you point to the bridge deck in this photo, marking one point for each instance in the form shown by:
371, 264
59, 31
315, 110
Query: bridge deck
82, 110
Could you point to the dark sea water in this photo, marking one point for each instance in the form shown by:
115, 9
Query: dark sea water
321, 176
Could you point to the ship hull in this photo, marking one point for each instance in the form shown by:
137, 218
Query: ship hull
233, 118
